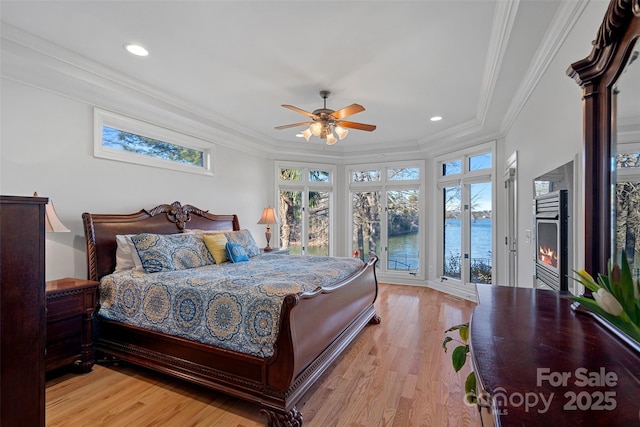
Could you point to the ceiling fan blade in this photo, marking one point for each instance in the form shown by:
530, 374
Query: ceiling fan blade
292, 125
347, 111
301, 111
359, 126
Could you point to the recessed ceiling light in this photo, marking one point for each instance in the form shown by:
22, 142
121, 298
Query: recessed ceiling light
299, 135
435, 118
137, 50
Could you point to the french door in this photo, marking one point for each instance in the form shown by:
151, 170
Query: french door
468, 232
305, 205
386, 216
465, 182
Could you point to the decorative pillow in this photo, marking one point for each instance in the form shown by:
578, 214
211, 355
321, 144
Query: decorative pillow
126, 254
168, 252
236, 252
244, 238
216, 244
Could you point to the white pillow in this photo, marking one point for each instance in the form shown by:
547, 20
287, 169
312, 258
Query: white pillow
126, 254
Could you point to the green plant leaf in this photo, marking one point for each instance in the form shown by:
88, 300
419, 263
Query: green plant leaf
455, 328
445, 342
470, 388
464, 333
624, 324
586, 280
604, 282
459, 357
627, 297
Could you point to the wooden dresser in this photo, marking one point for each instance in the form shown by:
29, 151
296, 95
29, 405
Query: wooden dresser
539, 363
22, 311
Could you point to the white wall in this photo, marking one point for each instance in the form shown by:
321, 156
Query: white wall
548, 134
47, 146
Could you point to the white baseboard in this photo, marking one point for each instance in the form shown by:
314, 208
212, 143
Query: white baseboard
467, 292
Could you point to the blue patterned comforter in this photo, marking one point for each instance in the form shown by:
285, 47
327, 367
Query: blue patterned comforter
234, 306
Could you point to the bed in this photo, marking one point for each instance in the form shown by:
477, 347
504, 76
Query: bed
314, 324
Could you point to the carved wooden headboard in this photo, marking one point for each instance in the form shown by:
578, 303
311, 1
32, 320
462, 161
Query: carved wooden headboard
100, 230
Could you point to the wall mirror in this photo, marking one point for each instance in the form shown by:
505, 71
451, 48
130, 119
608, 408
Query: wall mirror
609, 89
626, 161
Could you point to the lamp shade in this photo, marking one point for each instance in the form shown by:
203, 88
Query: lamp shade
268, 216
342, 132
51, 221
306, 133
316, 128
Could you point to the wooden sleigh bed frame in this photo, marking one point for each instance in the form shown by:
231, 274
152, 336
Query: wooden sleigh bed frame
315, 327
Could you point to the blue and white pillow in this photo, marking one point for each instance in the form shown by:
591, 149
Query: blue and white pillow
169, 252
236, 253
244, 238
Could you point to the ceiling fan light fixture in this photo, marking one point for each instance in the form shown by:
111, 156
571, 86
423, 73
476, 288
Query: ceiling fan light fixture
306, 134
325, 121
341, 132
316, 128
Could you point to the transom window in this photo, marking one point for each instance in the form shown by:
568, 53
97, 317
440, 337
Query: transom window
126, 139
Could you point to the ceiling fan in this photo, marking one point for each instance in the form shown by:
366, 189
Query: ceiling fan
325, 121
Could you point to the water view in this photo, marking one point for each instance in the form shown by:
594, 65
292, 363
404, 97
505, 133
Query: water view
404, 250
481, 238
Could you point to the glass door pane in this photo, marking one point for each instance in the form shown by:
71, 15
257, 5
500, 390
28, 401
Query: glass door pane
290, 213
318, 223
366, 223
452, 232
403, 247
481, 232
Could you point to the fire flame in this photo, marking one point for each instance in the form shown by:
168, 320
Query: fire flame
548, 256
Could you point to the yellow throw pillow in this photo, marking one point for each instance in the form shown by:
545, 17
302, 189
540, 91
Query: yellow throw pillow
216, 245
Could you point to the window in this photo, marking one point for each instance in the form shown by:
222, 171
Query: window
365, 176
305, 199
627, 204
467, 227
123, 138
386, 217
452, 168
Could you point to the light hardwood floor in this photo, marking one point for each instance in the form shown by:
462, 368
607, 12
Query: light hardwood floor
393, 374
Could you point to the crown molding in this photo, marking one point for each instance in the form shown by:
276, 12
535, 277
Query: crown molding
563, 22
505, 15
36, 62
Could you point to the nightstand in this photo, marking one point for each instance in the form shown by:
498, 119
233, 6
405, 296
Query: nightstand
280, 251
70, 307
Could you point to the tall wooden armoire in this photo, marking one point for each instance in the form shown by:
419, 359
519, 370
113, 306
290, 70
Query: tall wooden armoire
22, 311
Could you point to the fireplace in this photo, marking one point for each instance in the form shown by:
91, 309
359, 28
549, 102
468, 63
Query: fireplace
552, 257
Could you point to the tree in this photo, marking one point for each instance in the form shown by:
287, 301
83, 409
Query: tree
366, 214
139, 144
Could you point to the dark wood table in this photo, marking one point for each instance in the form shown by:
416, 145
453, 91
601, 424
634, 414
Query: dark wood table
540, 363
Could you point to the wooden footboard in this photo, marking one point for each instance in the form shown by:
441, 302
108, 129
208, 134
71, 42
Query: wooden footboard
316, 328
